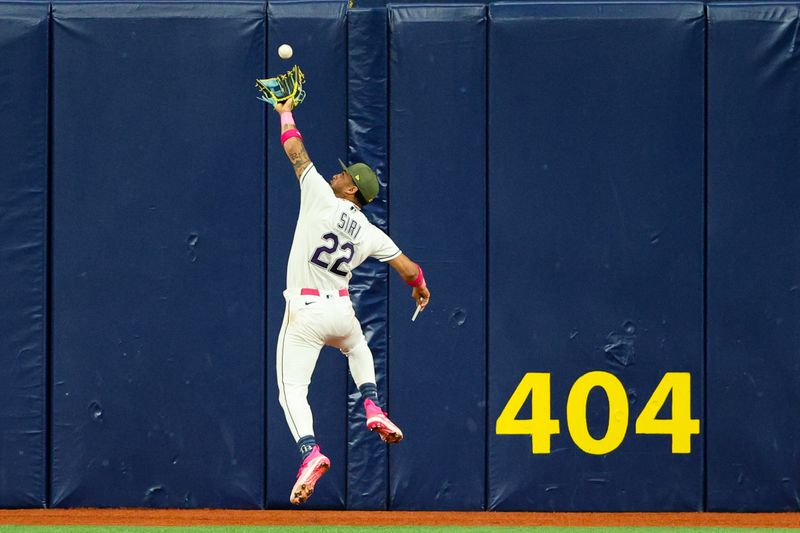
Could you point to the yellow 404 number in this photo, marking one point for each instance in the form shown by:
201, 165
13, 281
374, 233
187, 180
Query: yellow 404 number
681, 426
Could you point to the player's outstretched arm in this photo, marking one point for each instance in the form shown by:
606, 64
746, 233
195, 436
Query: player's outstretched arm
412, 274
291, 139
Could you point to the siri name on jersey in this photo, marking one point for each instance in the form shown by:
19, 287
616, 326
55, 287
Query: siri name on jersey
349, 226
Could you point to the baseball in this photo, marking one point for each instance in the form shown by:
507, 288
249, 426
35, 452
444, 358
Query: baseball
285, 51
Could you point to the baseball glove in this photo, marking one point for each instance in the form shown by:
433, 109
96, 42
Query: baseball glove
280, 88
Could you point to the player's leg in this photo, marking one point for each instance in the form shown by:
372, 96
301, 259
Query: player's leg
349, 338
295, 360
362, 368
297, 354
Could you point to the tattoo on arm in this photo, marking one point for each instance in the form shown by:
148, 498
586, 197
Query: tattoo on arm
287, 127
299, 157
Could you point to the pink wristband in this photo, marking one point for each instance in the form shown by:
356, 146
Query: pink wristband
419, 281
286, 118
288, 134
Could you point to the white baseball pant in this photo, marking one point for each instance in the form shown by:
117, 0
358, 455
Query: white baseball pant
310, 322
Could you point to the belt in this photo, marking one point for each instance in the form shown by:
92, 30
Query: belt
315, 292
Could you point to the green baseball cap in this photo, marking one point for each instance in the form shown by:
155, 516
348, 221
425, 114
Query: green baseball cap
364, 178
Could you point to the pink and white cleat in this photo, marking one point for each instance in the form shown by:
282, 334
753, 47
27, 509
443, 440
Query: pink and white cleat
379, 422
313, 467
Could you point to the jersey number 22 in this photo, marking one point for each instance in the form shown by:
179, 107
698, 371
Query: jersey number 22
347, 248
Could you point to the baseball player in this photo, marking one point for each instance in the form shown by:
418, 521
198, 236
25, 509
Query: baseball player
332, 238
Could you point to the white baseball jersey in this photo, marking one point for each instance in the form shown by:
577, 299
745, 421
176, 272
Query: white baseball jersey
332, 238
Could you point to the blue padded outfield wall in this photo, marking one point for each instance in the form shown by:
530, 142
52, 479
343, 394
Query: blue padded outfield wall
157, 256
24, 37
753, 257
437, 102
600, 166
603, 196
367, 112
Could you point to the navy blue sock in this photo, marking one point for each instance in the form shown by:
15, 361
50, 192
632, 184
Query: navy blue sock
369, 390
306, 445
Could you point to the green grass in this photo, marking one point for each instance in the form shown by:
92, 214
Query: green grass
377, 529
